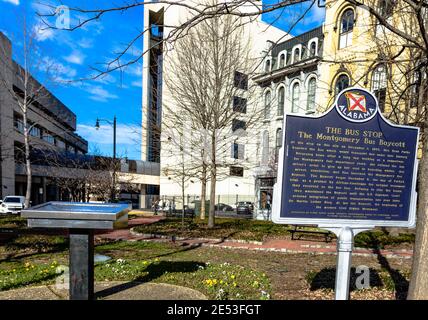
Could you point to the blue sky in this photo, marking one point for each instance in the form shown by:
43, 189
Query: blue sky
118, 93
288, 18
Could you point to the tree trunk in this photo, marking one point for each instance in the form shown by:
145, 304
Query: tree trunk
183, 196
211, 215
27, 161
203, 190
418, 288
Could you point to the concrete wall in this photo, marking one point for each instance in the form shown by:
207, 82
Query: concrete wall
257, 34
7, 164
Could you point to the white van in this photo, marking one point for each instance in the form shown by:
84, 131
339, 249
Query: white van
12, 204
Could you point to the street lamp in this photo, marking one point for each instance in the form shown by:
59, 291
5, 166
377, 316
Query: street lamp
97, 127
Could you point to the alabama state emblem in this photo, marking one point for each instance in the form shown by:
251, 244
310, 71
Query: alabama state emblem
356, 104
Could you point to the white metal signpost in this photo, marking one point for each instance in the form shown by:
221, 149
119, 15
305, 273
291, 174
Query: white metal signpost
347, 171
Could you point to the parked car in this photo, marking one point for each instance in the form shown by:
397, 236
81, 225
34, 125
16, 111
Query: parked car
223, 207
12, 204
244, 207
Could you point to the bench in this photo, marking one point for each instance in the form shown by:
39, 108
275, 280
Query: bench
298, 229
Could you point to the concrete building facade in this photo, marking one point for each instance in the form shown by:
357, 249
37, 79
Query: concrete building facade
57, 151
53, 127
289, 83
237, 182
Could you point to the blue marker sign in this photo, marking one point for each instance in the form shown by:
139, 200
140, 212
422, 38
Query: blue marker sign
349, 166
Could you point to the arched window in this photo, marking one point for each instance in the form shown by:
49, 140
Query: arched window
278, 143
346, 28
282, 60
296, 55
295, 97
267, 66
313, 49
312, 85
386, 8
342, 82
379, 84
265, 147
268, 98
281, 101
279, 138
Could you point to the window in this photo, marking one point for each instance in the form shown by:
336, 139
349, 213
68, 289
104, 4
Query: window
48, 138
296, 55
35, 132
156, 31
415, 88
279, 138
132, 166
346, 28
278, 143
282, 60
342, 82
312, 86
313, 49
267, 66
295, 97
19, 124
241, 80
265, 147
238, 151
386, 8
238, 124
71, 149
281, 101
236, 171
379, 84
268, 98
60, 144
239, 104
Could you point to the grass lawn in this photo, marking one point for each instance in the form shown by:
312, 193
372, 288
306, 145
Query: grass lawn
218, 273
228, 228
247, 229
12, 221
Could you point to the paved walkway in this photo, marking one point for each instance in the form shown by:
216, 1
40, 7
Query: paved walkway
109, 290
282, 245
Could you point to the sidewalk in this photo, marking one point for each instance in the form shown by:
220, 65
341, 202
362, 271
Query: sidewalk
282, 245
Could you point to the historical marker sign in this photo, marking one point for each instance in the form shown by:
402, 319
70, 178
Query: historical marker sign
347, 167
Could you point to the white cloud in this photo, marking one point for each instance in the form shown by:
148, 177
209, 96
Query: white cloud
100, 94
75, 57
42, 32
137, 84
45, 7
135, 69
86, 43
59, 71
125, 134
15, 2
106, 78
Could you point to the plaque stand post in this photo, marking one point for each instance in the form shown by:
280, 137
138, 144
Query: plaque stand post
345, 244
81, 264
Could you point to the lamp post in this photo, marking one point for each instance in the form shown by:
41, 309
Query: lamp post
97, 126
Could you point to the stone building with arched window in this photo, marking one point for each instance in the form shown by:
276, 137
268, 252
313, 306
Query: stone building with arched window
289, 85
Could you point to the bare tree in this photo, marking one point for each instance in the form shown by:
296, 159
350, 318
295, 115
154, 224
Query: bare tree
202, 83
27, 92
410, 48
